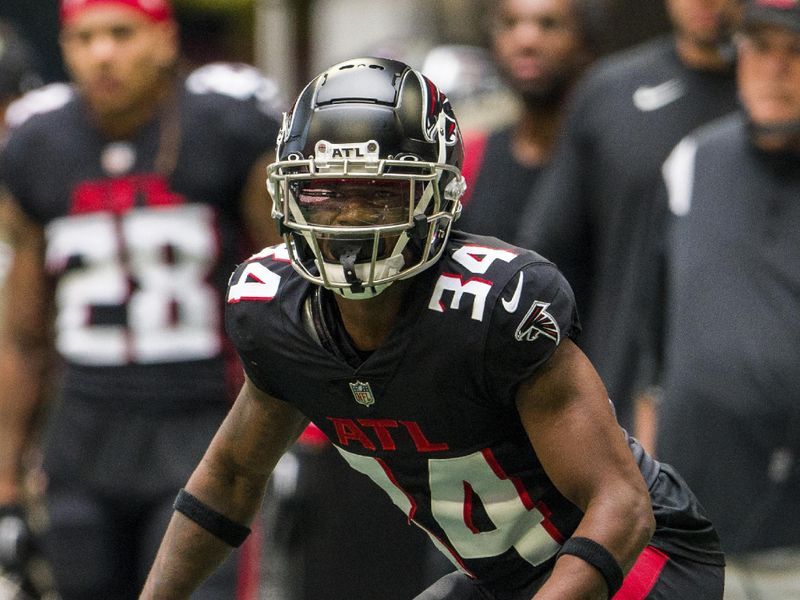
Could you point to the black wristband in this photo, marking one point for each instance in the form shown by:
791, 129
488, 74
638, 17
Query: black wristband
217, 524
597, 556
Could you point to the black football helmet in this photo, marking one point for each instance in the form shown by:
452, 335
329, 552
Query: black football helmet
367, 181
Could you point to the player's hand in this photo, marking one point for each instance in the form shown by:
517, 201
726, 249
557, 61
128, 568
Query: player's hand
16, 549
24, 573
16, 539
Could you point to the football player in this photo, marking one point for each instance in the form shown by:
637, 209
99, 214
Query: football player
441, 365
130, 191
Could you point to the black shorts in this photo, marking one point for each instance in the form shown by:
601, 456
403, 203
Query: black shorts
655, 576
112, 479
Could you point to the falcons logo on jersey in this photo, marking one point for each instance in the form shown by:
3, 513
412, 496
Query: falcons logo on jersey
538, 322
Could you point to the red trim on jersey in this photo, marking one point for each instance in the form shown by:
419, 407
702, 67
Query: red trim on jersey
643, 576
547, 524
468, 494
488, 455
313, 436
413, 511
527, 502
390, 474
122, 194
474, 146
464, 568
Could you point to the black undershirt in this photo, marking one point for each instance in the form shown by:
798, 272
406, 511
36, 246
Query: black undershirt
331, 331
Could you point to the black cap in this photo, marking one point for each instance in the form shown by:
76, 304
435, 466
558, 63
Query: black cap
783, 13
18, 67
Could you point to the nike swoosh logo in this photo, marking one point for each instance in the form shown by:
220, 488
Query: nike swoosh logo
511, 305
649, 98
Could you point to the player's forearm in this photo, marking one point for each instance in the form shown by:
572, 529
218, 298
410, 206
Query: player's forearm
572, 578
189, 553
23, 379
26, 349
230, 481
622, 523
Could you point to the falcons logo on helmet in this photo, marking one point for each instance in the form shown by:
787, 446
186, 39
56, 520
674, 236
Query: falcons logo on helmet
436, 102
538, 322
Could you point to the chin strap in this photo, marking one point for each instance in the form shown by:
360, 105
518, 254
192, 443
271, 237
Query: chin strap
347, 258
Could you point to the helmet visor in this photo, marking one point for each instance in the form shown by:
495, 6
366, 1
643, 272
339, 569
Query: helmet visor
354, 202
355, 219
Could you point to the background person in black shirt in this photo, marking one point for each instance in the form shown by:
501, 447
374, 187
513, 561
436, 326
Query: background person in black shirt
540, 47
590, 211
730, 416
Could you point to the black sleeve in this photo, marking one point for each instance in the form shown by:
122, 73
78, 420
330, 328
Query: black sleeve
27, 150
519, 341
241, 106
13, 168
242, 322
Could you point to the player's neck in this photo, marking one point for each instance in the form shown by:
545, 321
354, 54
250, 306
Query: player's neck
369, 322
124, 124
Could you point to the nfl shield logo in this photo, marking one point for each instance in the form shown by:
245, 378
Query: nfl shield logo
362, 393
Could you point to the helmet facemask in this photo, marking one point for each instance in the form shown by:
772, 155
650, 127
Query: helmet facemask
355, 222
367, 181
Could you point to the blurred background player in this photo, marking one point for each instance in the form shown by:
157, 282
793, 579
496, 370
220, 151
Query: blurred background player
590, 211
130, 192
730, 415
19, 72
19, 66
23, 574
540, 47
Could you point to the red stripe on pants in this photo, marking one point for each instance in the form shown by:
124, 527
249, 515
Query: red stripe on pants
643, 575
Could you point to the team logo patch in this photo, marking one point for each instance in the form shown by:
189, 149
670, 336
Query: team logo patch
362, 393
538, 322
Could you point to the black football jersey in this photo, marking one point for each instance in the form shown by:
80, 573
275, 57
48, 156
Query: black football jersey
430, 416
142, 233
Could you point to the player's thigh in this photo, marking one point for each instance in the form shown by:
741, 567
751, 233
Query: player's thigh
682, 578
454, 586
221, 584
88, 548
